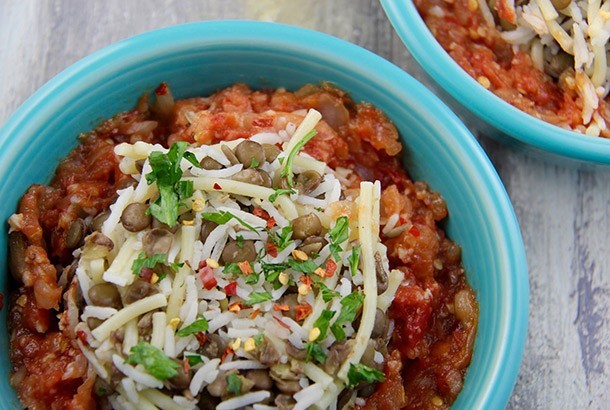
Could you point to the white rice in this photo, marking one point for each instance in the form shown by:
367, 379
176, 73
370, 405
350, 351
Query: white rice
242, 401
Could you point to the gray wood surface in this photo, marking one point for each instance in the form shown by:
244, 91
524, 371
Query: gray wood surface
562, 212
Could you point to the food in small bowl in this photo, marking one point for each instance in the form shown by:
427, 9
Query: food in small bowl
547, 59
202, 60
250, 263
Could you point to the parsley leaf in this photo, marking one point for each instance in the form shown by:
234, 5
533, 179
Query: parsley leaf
282, 238
258, 297
194, 359
338, 234
287, 171
315, 351
279, 192
327, 293
307, 266
254, 164
156, 363
166, 172
252, 279
349, 307
222, 217
232, 269
199, 325
147, 262
258, 339
323, 322
359, 372
233, 383
354, 259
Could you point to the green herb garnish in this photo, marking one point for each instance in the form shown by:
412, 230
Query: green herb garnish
359, 372
234, 384
338, 234
194, 359
254, 164
323, 322
258, 339
282, 238
349, 307
279, 192
222, 217
156, 363
166, 172
258, 297
199, 325
252, 279
327, 293
315, 352
354, 259
307, 266
142, 261
231, 269
287, 171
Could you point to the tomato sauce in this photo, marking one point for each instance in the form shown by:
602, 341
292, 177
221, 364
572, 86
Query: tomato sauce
435, 311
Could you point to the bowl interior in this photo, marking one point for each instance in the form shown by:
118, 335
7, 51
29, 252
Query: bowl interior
200, 58
488, 109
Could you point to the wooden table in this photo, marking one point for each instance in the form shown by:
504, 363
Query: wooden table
562, 212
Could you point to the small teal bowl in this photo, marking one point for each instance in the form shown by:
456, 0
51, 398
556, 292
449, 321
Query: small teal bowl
197, 59
481, 108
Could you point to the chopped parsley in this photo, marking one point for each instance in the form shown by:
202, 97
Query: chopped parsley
252, 279
156, 262
354, 259
282, 238
315, 352
258, 339
279, 192
323, 323
231, 269
142, 261
240, 241
194, 359
156, 363
349, 307
166, 172
307, 266
327, 293
287, 171
359, 372
234, 383
338, 234
254, 164
199, 325
258, 297
222, 217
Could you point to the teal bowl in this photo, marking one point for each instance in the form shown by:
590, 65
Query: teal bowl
482, 109
197, 59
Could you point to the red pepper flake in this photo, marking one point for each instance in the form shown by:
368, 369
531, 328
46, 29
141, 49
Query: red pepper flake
270, 222
302, 311
281, 322
414, 231
201, 338
306, 280
202, 264
162, 89
402, 220
227, 352
245, 267
255, 313
272, 249
261, 213
206, 274
331, 267
82, 336
146, 274
186, 366
281, 308
216, 186
231, 289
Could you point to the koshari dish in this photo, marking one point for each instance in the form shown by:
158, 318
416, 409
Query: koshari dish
229, 252
546, 57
